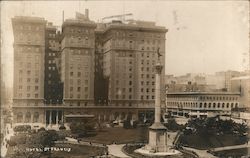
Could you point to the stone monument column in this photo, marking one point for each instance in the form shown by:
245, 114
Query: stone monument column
158, 68
157, 131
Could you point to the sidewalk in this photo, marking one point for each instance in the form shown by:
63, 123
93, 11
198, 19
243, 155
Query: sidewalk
116, 150
200, 153
246, 145
9, 133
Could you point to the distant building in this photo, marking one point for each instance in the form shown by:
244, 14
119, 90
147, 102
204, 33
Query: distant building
242, 85
201, 104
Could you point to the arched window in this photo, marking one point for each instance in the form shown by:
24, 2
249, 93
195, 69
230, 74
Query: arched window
236, 105
223, 105
19, 117
218, 106
232, 105
36, 117
200, 105
209, 105
214, 105
27, 117
205, 105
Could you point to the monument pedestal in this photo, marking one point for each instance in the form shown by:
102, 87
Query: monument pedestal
157, 138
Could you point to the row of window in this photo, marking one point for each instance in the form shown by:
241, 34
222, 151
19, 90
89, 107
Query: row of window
36, 80
201, 105
122, 96
147, 76
213, 98
81, 30
28, 95
79, 81
27, 49
79, 96
118, 82
28, 65
29, 88
148, 61
147, 97
119, 34
27, 117
78, 89
78, 74
30, 27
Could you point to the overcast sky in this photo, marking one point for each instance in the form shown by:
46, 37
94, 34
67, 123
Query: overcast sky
203, 36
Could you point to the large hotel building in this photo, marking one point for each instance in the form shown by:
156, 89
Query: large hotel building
105, 70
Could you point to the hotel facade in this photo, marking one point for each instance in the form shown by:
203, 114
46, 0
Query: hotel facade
100, 69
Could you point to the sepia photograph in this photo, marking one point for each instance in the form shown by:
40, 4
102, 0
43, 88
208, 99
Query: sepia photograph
125, 79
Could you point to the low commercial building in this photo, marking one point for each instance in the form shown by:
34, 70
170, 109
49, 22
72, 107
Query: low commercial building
201, 104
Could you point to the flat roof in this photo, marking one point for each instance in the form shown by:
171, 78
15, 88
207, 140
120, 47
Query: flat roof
203, 93
29, 19
79, 116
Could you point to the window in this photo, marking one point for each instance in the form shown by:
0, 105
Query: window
36, 95
78, 89
214, 105
78, 74
130, 82
200, 105
142, 82
36, 87
36, 117
86, 89
78, 81
36, 80
142, 89
71, 73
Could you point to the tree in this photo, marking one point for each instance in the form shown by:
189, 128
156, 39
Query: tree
83, 128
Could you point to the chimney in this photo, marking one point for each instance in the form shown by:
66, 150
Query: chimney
87, 13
